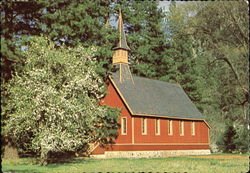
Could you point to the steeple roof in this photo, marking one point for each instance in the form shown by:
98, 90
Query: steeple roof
122, 44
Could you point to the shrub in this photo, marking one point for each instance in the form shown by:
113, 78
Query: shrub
242, 140
226, 142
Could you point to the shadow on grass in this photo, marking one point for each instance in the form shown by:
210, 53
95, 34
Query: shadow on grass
70, 162
24, 171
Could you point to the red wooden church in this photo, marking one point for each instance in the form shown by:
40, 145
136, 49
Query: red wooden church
157, 118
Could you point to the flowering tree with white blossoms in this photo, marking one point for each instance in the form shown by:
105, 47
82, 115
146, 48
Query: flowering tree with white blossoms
53, 104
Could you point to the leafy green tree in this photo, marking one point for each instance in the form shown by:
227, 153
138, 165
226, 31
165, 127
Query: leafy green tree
76, 23
222, 29
52, 105
219, 33
18, 21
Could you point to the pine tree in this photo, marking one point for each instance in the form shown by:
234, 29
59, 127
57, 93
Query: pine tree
226, 143
242, 140
145, 37
183, 60
81, 23
18, 19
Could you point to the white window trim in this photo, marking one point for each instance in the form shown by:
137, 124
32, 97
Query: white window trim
122, 127
157, 121
182, 128
193, 128
170, 127
145, 132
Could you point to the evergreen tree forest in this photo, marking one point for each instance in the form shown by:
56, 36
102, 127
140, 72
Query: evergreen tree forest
203, 46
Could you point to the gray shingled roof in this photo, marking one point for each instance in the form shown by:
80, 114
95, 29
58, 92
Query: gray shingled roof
153, 97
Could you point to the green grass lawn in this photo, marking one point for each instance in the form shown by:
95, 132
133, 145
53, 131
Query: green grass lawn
217, 163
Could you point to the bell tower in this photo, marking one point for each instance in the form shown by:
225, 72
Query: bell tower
120, 56
121, 50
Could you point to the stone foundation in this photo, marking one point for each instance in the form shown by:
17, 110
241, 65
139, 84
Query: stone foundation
148, 154
98, 156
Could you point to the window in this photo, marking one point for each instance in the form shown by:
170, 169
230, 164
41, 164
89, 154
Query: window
182, 128
170, 128
193, 128
157, 127
124, 126
144, 126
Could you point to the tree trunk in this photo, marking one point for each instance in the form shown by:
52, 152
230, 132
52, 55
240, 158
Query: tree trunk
44, 157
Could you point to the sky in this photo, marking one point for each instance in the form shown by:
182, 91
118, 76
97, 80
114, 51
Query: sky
164, 5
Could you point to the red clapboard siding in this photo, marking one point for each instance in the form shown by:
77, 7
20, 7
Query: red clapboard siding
199, 141
201, 132
113, 100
